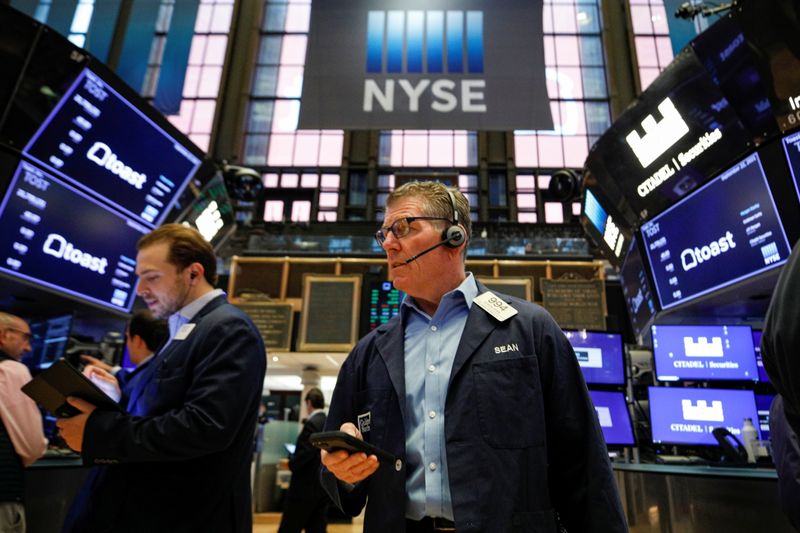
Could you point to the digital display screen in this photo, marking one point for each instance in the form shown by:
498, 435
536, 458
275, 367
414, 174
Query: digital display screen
384, 303
98, 140
704, 353
677, 135
791, 145
41, 242
725, 232
688, 416
762, 374
615, 420
611, 238
637, 290
763, 403
212, 213
600, 356
49, 340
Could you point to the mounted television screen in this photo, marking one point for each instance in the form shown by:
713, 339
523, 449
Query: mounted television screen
688, 416
676, 136
600, 356
762, 374
614, 417
42, 244
791, 145
636, 289
727, 231
100, 141
701, 353
604, 228
763, 403
49, 340
212, 213
383, 303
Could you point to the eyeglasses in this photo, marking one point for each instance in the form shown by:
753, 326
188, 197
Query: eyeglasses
401, 227
25, 335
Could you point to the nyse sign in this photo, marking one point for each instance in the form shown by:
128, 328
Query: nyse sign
425, 64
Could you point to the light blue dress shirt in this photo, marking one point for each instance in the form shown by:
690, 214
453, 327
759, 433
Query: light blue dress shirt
187, 313
430, 349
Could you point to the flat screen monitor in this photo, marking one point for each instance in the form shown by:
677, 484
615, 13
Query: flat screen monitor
603, 226
212, 213
41, 243
762, 374
600, 356
676, 136
383, 303
703, 353
727, 231
636, 288
49, 341
614, 417
104, 144
763, 403
791, 145
689, 416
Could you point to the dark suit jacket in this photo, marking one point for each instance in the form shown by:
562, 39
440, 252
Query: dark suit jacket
180, 459
305, 463
522, 438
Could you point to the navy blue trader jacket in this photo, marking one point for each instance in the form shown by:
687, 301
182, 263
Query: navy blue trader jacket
180, 460
524, 446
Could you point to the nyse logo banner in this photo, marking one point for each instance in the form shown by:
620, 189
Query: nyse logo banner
473, 64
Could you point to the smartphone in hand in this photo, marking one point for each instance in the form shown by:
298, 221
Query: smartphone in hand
332, 441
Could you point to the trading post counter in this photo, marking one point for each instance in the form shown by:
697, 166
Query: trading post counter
693, 499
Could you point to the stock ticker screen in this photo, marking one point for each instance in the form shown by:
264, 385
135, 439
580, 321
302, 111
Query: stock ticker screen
725, 232
102, 143
703, 353
384, 303
92, 260
637, 290
689, 416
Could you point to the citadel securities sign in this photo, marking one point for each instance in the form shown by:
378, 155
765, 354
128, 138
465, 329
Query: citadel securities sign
435, 64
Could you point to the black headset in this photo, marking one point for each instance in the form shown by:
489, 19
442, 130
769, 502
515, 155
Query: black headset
454, 236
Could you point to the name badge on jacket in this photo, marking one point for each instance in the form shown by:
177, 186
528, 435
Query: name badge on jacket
183, 332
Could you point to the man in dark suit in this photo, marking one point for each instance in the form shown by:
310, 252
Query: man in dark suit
181, 454
479, 396
306, 502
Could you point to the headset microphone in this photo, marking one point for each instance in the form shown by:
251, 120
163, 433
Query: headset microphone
423, 252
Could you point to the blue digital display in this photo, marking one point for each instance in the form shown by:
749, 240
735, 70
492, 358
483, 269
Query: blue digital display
762, 374
791, 145
763, 403
615, 420
600, 356
727, 231
704, 353
637, 290
611, 237
49, 340
41, 242
103, 144
688, 416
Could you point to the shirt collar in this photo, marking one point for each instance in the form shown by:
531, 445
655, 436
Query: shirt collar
468, 289
188, 312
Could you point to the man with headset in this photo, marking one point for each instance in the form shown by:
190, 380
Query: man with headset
479, 397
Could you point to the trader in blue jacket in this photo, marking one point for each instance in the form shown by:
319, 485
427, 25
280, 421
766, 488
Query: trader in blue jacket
180, 456
479, 396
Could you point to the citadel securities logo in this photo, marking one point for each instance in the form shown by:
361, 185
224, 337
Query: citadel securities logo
59, 247
425, 64
430, 42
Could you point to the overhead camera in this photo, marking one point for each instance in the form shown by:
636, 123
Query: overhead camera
243, 183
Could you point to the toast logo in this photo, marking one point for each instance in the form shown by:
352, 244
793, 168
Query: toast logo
589, 357
101, 154
703, 348
604, 415
692, 257
702, 412
658, 136
425, 42
60, 248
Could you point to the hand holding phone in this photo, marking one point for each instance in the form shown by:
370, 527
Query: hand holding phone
339, 440
339, 454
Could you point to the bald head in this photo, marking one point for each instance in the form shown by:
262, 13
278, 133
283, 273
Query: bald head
15, 336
